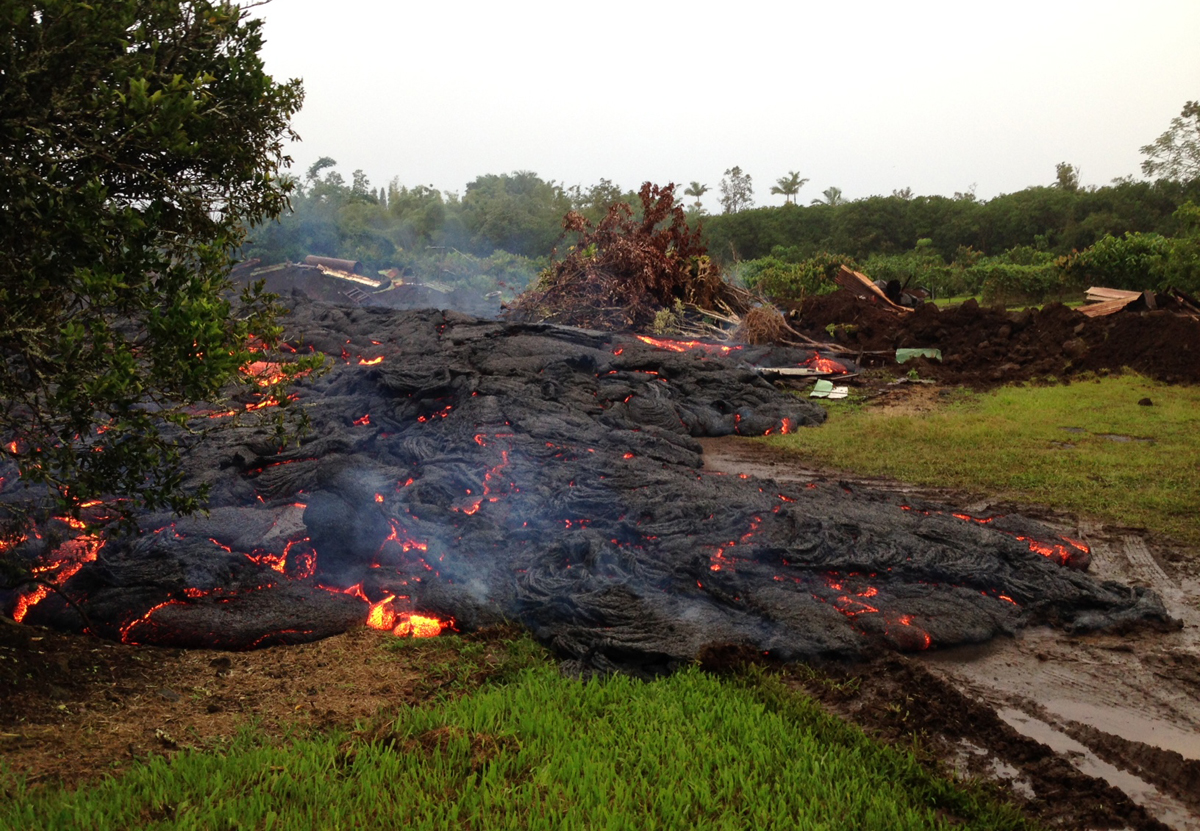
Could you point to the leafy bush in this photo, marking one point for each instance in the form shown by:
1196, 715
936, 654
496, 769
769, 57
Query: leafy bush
1007, 283
1134, 262
775, 276
922, 266
1183, 266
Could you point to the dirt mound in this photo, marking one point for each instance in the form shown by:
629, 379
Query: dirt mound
982, 347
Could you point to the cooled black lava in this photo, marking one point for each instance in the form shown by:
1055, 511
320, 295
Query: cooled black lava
484, 471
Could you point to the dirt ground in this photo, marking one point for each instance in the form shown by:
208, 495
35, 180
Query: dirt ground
1096, 731
73, 707
983, 347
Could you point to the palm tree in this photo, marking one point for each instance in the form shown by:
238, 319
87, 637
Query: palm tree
833, 196
788, 186
697, 190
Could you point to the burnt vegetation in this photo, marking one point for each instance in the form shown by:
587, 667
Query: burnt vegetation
628, 267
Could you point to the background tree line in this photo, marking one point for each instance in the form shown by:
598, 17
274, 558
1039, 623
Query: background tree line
1029, 245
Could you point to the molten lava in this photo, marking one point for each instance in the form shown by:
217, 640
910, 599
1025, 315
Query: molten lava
60, 566
687, 345
385, 617
825, 365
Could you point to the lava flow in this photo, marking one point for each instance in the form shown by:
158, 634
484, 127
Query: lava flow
386, 617
687, 345
825, 365
551, 477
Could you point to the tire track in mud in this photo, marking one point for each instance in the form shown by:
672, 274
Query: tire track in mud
1121, 707
1167, 770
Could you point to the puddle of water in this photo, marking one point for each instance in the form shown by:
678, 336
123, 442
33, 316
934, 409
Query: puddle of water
998, 767
1076, 430
1127, 725
1160, 805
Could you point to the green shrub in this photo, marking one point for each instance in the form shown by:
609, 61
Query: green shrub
922, 266
1183, 264
775, 276
1009, 283
1134, 262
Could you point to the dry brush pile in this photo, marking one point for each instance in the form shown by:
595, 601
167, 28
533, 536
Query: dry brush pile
626, 270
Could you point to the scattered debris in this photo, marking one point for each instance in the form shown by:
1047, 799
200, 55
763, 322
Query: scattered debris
983, 347
1103, 302
826, 389
906, 355
861, 286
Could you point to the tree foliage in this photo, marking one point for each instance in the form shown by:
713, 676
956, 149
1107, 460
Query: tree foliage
1066, 177
138, 139
696, 191
1049, 218
1176, 153
831, 196
788, 186
737, 191
784, 278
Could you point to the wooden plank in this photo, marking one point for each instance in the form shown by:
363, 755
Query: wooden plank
860, 285
1100, 293
1108, 307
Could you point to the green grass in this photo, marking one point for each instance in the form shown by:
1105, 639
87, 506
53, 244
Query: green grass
541, 751
1012, 443
959, 299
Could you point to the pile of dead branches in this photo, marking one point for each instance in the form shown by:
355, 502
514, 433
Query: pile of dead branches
626, 271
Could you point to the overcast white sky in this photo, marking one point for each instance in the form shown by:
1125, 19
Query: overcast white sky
865, 96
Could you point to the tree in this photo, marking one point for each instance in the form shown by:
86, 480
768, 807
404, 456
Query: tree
737, 191
833, 197
1066, 177
788, 186
518, 212
138, 140
1176, 153
696, 191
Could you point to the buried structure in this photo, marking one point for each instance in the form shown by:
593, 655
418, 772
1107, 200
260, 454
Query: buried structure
460, 472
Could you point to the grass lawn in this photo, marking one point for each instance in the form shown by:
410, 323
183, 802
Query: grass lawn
1087, 447
534, 749
959, 299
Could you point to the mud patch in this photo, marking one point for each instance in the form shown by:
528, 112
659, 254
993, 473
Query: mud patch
899, 701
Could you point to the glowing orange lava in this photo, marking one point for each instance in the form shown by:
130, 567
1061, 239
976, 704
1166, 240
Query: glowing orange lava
370, 361
827, 365
61, 565
686, 345
264, 373
385, 617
